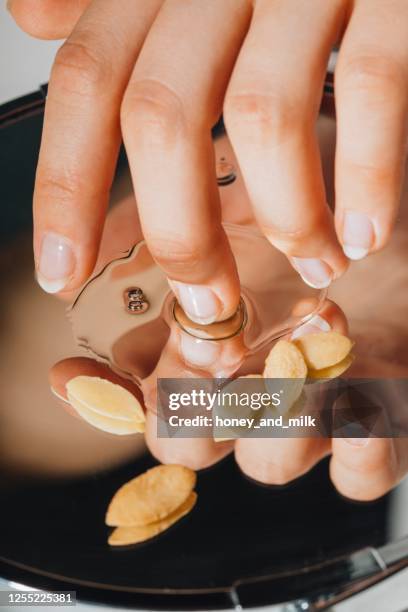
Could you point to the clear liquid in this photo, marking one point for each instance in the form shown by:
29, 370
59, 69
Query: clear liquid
276, 301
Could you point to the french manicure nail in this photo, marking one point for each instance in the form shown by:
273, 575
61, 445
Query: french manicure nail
357, 441
56, 263
198, 352
198, 301
315, 272
315, 325
358, 234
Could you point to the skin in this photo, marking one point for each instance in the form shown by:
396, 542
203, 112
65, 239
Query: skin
176, 67
361, 469
262, 63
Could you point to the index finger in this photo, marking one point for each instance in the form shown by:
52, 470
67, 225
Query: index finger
171, 103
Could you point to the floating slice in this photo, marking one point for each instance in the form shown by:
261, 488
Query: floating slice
285, 361
323, 350
105, 398
110, 425
125, 536
151, 497
333, 371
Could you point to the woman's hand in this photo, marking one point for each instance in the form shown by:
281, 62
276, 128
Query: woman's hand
360, 468
160, 72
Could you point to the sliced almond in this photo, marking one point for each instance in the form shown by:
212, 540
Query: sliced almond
106, 398
285, 361
323, 350
333, 371
119, 427
151, 497
125, 536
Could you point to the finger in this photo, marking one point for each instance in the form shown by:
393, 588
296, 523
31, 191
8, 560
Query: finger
372, 108
48, 19
121, 232
171, 103
81, 138
220, 359
270, 111
364, 468
196, 453
278, 461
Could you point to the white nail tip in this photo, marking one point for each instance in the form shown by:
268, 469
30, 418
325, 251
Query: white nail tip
319, 322
201, 320
355, 253
313, 325
51, 286
321, 285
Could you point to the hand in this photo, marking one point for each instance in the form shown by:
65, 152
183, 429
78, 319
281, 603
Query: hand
161, 75
360, 468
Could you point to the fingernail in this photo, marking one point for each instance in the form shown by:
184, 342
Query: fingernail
198, 301
357, 441
199, 352
358, 234
315, 272
56, 263
315, 325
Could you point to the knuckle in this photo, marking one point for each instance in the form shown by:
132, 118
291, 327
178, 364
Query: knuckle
182, 456
367, 475
266, 471
180, 256
57, 187
79, 68
378, 462
361, 490
292, 239
376, 176
268, 113
374, 73
153, 105
284, 474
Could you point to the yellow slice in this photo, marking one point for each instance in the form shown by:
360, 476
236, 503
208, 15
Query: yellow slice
333, 371
151, 497
324, 349
105, 398
125, 536
285, 361
119, 427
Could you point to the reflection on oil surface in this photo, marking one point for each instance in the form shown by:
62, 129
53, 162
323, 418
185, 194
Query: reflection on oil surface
57, 473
